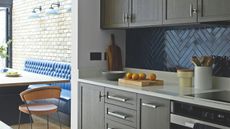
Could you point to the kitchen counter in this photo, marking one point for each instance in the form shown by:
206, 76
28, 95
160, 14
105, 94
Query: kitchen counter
167, 91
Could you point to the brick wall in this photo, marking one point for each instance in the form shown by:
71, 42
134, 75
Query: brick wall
48, 37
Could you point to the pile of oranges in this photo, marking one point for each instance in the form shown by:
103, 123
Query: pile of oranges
141, 76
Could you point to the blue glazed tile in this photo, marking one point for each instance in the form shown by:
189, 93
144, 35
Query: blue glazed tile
169, 48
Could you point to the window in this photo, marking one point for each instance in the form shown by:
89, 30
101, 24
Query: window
5, 32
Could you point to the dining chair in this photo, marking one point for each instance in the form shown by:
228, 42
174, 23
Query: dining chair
40, 109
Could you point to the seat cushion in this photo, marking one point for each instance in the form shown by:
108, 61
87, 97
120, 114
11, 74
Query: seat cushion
65, 94
38, 109
62, 70
39, 66
51, 68
38, 86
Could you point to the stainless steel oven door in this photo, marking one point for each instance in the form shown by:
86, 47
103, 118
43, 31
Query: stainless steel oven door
189, 122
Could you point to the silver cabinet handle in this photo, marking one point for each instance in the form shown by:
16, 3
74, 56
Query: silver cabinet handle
132, 18
194, 11
117, 115
129, 18
117, 98
109, 128
125, 16
149, 105
189, 124
191, 10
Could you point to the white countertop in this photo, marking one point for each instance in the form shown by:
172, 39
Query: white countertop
167, 91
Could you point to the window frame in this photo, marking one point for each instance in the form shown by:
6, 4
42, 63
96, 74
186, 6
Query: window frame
8, 5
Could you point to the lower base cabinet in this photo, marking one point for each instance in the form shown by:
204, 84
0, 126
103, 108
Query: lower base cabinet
91, 107
101, 110
153, 113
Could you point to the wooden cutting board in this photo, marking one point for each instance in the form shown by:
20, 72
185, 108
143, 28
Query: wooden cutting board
141, 82
114, 59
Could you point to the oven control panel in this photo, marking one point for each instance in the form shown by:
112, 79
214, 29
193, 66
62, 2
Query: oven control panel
203, 113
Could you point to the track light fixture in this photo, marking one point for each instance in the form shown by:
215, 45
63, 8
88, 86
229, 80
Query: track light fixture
35, 13
52, 10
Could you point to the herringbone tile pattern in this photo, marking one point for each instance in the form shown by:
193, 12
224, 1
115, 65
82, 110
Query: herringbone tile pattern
171, 48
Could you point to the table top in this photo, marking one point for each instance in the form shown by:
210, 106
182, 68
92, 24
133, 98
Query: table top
28, 78
4, 126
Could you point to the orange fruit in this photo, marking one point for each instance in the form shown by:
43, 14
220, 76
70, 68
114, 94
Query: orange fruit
135, 76
128, 75
142, 76
152, 76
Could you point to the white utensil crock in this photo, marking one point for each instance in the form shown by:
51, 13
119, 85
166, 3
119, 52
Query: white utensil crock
203, 78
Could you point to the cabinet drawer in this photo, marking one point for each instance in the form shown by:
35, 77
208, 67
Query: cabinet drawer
153, 102
121, 98
121, 115
115, 125
154, 113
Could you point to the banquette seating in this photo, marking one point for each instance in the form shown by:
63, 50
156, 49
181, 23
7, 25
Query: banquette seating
55, 69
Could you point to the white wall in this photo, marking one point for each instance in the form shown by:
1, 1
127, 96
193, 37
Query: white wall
92, 38
74, 64
88, 37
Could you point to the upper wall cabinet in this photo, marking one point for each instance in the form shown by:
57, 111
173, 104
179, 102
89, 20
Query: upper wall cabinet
115, 13
191, 11
130, 13
143, 13
179, 11
214, 10
146, 13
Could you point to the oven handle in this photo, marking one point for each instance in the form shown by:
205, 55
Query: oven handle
189, 122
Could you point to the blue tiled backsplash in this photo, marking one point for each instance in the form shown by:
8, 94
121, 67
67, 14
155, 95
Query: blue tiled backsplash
169, 48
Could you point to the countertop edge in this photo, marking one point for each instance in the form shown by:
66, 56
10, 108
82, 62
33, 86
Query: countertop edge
185, 99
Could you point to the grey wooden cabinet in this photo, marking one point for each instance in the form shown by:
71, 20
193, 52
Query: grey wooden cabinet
153, 113
130, 13
114, 13
179, 11
91, 106
146, 13
213, 10
142, 13
108, 108
193, 11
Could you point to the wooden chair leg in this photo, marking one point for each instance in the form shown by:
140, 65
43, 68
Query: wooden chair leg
59, 119
19, 119
31, 126
48, 121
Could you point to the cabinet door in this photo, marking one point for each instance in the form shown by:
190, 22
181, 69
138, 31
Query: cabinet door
146, 13
91, 107
214, 10
179, 11
115, 13
154, 113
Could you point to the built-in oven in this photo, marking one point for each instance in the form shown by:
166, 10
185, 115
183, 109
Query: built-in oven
190, 116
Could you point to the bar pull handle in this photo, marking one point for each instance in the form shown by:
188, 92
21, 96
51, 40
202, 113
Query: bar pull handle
191, 10
132, 18
125, 17
149, 105
189, 124
117, 115
100, 96
117, 98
